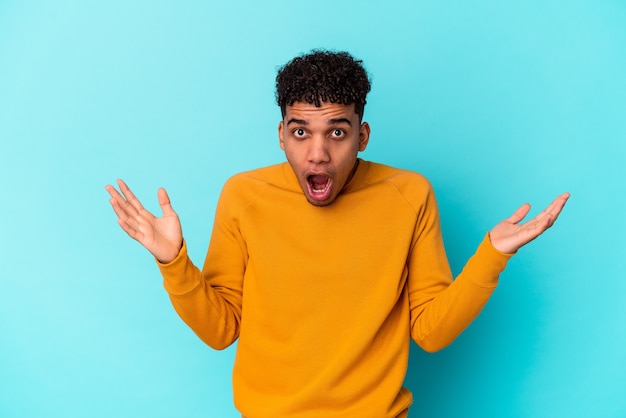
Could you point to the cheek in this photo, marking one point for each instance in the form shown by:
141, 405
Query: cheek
294, 160
348, 151
346, 162
292, 153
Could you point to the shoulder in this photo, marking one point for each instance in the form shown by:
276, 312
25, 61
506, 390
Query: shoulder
243, 188
257, 178
405, 181
413, 188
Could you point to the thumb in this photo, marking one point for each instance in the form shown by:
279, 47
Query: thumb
519, 214
164, 202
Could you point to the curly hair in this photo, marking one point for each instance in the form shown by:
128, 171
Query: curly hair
323, 76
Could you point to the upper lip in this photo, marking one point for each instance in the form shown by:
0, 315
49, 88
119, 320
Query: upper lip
317, 173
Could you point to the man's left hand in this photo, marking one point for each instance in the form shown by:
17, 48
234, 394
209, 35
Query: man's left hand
509, 235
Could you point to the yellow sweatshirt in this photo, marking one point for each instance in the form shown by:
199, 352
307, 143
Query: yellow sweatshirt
324, 300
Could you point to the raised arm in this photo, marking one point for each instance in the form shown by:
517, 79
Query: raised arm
209, 302
441, 308
162, 236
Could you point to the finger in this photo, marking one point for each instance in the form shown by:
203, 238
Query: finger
115, 195
121, 206
132, 232
135, 233
558, 204
129, 222
129, 195
112, 191
164, 202
118, 208
117, 201
519, 214
549, 215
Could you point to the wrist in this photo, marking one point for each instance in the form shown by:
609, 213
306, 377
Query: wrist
166, 257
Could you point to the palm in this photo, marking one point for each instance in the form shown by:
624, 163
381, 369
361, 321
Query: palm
161, 236
166, 228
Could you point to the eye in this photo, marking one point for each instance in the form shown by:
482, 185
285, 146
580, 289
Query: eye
337, 133
299, 132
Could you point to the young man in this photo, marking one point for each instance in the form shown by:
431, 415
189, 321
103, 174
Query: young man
326, 266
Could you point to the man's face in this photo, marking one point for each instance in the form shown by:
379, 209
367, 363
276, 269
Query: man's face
321, 145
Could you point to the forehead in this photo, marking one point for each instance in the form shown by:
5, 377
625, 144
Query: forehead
310, 112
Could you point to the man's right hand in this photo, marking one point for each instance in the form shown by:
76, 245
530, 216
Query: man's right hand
163, 237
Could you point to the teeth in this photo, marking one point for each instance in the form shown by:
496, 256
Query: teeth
323, 189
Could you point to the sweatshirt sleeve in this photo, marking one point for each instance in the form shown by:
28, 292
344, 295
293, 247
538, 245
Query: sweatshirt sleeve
209, 300
440, 307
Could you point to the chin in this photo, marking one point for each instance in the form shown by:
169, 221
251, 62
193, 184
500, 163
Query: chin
321, 203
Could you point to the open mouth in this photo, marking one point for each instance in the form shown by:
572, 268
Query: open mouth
319, 186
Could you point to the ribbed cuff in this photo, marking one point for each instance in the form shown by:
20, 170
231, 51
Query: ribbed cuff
486, 264
180, 276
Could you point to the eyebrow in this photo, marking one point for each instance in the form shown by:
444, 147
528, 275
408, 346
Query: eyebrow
339, 120
330, 121
297, 121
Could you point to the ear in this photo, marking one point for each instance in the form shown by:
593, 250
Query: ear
364, 136
281, 132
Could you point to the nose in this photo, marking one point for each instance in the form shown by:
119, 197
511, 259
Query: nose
318, 150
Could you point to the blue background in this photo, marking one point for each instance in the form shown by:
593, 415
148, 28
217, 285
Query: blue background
496, 102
